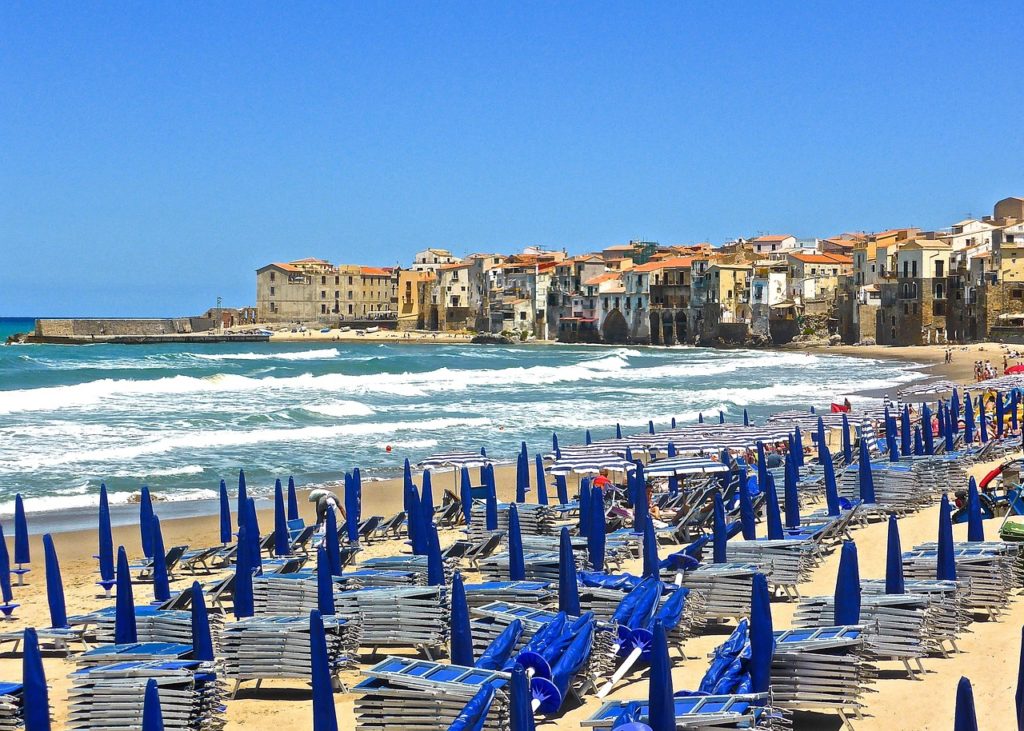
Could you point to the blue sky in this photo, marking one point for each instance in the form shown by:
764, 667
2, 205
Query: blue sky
153, 155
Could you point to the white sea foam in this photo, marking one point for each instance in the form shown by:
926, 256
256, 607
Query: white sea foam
340, 409
89, 497
318, 354
189, 469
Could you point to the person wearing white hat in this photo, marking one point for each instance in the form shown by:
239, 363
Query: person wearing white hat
326, 500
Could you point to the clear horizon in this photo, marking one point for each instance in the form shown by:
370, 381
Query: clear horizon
154, 157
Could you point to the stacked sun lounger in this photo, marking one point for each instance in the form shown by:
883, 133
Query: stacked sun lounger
112, 696
134, 652
537, 594
417, 695
616, 549
260, 648
405, 564
11, 706
823, 669
948, 615
786, 563
895, 626
987, 572
534, 520
724, 587
697, 713
539, 566
152, 625
898, 488
490, 620
415, 617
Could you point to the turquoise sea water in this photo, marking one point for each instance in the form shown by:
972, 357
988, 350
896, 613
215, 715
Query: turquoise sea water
181, 417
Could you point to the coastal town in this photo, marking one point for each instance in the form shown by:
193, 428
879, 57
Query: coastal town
903, 286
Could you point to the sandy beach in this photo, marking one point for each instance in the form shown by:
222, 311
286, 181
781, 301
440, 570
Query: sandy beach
353, 335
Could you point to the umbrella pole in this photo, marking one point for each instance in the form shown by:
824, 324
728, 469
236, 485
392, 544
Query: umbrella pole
620, 673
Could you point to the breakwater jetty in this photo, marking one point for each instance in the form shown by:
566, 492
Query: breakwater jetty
135, 331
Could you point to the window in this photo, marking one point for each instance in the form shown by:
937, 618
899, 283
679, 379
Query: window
350, 309
323, 309
938, 268
1017, 294
913, 269
349, 293
323, 280
350, 283
323, 294
906, 268
272, 273
273, 307
522, 315
271, 291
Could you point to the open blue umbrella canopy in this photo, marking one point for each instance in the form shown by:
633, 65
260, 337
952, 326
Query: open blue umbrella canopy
125, 629
152, 715
496, 656
5, 571
516, 559
161, 582
331, 542
282, 539
520, 709
762, 639
461, 630
466, 495
747, 515
225, 515
651, 565
324, 584
106, 539
584, 512
542, 485
146, 522
864, 476
562, 488
21, 551
964, 717
35, 696
894, 583
847, 596
568, 583
975, 527
325, 718
945, 568
54, 585
243, 599
202, 640
354, 504
847, 444
720, 534
293, 500
435, 562
596, 534
474, 713
791, 498
773, 517
491, 504
661, 704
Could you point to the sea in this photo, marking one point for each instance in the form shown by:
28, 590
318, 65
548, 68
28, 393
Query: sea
180, 418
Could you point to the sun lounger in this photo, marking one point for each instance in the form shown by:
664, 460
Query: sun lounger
414, 617
747, 712
171, 559
203, 558
133, 652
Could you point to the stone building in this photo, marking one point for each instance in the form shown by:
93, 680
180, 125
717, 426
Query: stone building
315, 291
914, 300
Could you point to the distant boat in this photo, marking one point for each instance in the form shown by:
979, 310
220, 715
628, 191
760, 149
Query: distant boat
325, 330
344, 328
372, 329
265, 332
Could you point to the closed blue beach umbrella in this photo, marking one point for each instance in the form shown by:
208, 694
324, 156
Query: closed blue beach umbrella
462, 631
542, 485
661, 704
474, 714
324, 584
54, 585
202, 640
864, 475
618, 430
354, 504
791, 498
152, 715
243, 496
562, 488
5, 576
847, 596
762, 466
954, 406
554, 446
146, 522
293, 500
894, 583
720, 534
746, 418
640, 507
820, 441
798, 448
671, 449
905, 431
964, 717
522, 467
1014, 403
949, 435
926, 429
721, 417
331, 542
596, 535
35, 696
225, 515
762, 640
426, 500
106, 540
161, 582
945, 565
520, 702
282, 540
982, 420
651, 562
584, 512
21, 552
587, 438
975, 527
831, 488
435, 562
968, 420
466, 495
516, 560
325, 718
568, 583
243, 599
125, 629
491, 504
847, 444
700, 417
918, 441
773, 517
650, 427
999, 414
252, 522
747, 515
894, 447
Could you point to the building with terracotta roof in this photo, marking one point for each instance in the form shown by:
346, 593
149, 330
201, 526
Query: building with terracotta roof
815, 277
314, 291
772, 244
429, 260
